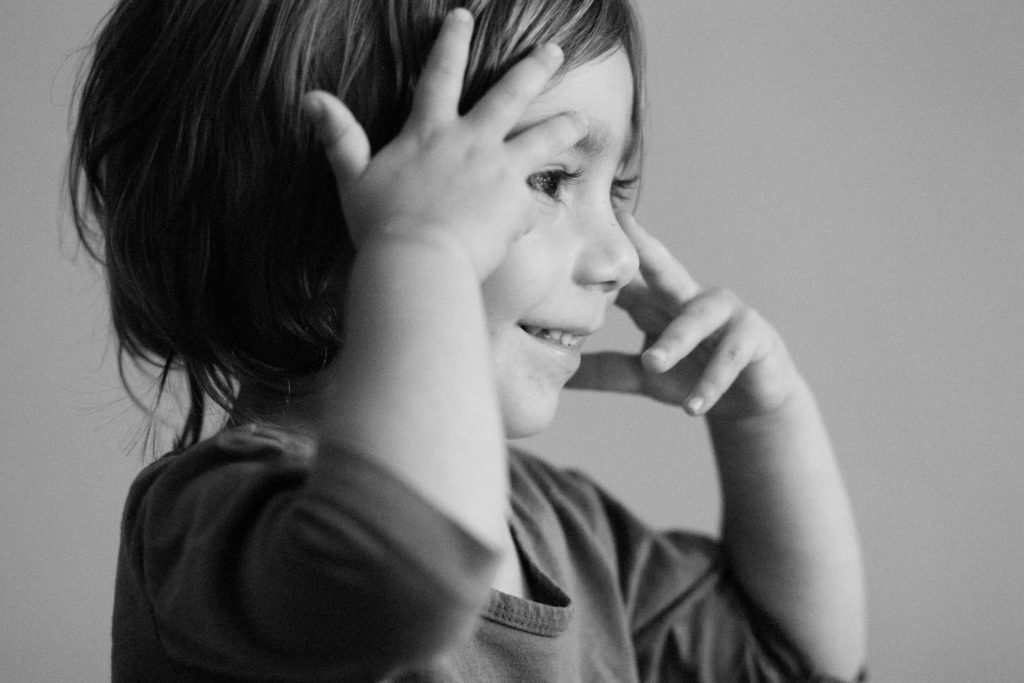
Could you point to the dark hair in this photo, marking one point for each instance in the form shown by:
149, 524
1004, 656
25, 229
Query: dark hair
196, 182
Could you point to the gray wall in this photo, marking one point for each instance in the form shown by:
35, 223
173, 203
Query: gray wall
855, 170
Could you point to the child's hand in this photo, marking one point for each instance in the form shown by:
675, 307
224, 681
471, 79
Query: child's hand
705, 349
458, 182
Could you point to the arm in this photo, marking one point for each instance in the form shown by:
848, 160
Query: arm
787, 532
413, 385
431, 215
411, 392
335, 562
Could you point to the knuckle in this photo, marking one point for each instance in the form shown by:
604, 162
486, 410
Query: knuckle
720, 293
659, 278
731, 353
698, 308
513, 90
748, 317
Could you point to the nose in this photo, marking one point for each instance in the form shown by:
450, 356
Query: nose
608, 260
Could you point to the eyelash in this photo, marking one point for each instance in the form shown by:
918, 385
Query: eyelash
551, 182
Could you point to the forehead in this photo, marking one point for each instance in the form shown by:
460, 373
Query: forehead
602, 91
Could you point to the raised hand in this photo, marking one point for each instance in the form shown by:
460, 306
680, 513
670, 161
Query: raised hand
456, 181
706, 350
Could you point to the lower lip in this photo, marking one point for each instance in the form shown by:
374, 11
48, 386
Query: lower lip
569, 356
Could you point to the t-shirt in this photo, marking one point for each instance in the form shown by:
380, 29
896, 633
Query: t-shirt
249, 557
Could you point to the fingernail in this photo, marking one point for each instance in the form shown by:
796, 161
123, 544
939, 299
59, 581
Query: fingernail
694, 405
313, 107
655, 359
552, 50
460, 14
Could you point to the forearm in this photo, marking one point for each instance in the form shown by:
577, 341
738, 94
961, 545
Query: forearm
433, 212
413, 385
788, 529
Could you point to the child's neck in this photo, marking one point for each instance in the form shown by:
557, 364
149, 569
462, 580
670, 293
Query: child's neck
292, 412
511, 576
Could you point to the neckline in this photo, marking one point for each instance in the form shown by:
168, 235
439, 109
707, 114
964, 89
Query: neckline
548, 609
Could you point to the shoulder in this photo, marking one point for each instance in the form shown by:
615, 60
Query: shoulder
249, 445
569, 504
567, 508
539, 485
233, 464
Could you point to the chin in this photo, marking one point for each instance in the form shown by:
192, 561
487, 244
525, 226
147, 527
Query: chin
528, 418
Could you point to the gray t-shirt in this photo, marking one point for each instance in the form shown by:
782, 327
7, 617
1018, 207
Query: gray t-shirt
247, 557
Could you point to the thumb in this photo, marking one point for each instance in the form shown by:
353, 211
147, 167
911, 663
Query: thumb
609, 371
343, 139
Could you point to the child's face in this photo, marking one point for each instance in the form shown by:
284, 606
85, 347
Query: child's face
562, 275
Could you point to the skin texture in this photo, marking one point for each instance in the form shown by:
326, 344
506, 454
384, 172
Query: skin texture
563, 273
469, 229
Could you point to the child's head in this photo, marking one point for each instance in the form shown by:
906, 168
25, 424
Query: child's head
218, 218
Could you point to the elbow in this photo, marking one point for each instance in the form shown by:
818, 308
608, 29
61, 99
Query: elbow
375, 630
416, 625
398, 624
369, 620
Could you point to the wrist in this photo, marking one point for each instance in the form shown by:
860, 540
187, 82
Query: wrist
422, 243
792, 403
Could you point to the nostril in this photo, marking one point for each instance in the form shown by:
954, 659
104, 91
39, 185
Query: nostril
607, 258
611, 264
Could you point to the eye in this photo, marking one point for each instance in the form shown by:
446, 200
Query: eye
552, 181
624, 190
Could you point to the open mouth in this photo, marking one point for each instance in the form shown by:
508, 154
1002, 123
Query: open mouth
560, 337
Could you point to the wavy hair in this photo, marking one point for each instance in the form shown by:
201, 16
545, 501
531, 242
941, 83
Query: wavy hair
198, 185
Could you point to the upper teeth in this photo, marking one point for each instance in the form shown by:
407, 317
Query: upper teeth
558, 336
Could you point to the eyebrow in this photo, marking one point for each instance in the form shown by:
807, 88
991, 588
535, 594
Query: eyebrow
596, 144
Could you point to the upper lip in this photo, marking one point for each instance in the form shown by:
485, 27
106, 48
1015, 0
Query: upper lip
576, 329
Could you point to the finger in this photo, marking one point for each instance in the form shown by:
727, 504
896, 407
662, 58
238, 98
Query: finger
700, 318
551, 136
343, 139
636, 300
660, 269
733, 353
609, 371
502, 106
440, 85
634, 293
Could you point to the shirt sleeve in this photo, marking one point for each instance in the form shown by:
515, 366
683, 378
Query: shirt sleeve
258, 560
689, 618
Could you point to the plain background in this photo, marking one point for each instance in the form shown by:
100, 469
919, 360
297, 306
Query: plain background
854, 169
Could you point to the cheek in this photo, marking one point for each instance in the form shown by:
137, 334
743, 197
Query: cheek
529, 275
